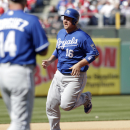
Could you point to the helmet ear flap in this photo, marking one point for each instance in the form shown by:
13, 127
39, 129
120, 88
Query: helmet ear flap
74, 21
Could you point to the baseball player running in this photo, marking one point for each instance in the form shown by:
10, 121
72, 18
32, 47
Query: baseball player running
21, 38
75, 50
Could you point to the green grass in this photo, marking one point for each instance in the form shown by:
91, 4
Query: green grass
105, 107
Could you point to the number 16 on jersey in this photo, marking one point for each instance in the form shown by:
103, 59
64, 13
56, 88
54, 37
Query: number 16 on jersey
69, 53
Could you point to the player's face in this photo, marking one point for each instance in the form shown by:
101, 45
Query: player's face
67, 22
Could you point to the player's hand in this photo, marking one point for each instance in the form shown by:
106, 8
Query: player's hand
45, 63
75, 70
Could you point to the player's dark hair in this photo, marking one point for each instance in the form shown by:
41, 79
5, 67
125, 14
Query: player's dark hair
22, 2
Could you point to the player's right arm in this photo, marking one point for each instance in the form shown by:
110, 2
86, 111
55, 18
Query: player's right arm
46, 63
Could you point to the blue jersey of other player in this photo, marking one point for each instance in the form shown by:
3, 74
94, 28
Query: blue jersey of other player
72, 48
20, 38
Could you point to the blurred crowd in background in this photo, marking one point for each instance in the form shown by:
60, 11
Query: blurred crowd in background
90, 11
30, 8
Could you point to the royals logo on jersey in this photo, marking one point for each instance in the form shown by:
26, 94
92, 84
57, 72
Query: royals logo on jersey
67, 43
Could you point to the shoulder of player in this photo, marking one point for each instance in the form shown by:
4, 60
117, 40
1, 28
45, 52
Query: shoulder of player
31, 18
81, 33
62, 31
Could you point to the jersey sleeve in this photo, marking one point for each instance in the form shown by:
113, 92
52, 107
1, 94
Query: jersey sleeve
55, 53
40, 40
90, 49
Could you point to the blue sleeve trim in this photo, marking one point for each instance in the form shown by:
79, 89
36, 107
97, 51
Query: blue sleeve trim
42, 47
90, 58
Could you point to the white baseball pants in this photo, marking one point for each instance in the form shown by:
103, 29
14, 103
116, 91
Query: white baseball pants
65, 91
17, 89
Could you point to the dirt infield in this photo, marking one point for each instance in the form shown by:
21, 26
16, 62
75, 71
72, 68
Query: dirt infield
90, 125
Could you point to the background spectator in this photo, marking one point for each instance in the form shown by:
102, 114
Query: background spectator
4, 5
113, 14
52, 12
52, 9
39, 3
84, 18
100, 4
89, 10
31, 5
1, 11
125, 8
61, 6
84, 13
93, 13
70, 4
106, 11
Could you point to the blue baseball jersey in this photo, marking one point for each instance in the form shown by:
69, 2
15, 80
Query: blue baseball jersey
21, 38
72, 48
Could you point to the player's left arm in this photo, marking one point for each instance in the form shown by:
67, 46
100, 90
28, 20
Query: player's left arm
90, 49
85, 62
91, 54
76, 68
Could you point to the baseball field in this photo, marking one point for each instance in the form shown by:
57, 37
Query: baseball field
108, 113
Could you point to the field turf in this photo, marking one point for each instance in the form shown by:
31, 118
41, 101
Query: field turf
105, 108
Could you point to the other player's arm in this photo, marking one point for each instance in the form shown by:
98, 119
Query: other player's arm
44, 52
40, 40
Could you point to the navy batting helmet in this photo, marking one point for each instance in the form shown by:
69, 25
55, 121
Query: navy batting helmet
72, 13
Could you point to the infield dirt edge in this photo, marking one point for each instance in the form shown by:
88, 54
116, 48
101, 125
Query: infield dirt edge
90, 125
